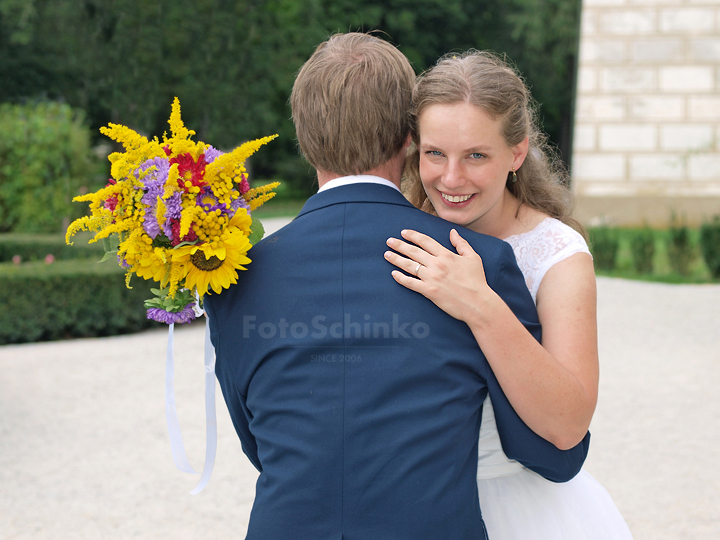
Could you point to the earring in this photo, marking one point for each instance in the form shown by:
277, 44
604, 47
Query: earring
514, 176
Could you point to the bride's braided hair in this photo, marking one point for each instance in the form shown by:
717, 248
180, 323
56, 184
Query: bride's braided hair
483, 79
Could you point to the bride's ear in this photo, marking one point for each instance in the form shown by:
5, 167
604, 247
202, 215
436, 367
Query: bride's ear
520, 153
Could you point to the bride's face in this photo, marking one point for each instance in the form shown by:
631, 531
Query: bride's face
464, 164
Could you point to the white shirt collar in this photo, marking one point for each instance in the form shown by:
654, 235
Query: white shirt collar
357, 179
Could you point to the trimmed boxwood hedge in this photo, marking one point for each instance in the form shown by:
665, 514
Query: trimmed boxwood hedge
35, 247
74, 298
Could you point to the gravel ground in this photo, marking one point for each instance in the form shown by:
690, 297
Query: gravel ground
84, 452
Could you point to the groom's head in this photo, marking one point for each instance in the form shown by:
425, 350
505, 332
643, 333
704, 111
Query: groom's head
350, 104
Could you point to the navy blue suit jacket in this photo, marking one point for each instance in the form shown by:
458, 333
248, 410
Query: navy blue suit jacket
357, 399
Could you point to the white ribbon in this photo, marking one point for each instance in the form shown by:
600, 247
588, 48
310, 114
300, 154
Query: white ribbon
176, 441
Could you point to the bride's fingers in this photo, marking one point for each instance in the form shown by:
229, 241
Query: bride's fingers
409, 282
411, 251
424, 241
461, 245
408, 265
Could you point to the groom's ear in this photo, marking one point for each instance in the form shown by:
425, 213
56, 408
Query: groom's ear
408, 141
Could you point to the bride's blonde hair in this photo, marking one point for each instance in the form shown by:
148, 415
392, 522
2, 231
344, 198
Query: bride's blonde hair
485, 80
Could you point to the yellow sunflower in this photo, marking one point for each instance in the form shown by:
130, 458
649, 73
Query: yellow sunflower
213, 267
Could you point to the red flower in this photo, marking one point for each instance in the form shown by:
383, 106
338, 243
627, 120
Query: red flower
111, 203
175, 240
191, 170
244, 186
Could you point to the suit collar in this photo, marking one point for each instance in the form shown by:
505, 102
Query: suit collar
354, 193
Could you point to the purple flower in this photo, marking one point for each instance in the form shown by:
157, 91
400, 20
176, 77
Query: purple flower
151, 226
239, 203
173, 204
154, 180
160, 315
208, 201
211, 154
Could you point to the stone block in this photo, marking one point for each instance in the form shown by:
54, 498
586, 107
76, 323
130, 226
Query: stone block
705, 167
588, 22
657, 50
584, 138
686, 79
687, 137
687, 20
600, 108
705, 49
628, 22
598, 167
628, 137
657, 167
602, 51
624, 80
705, 108
587, 80
656, 108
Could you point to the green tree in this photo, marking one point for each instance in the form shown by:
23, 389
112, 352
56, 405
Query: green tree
232, 63
44, 162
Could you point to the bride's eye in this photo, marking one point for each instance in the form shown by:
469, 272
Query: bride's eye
433, 153
477, 155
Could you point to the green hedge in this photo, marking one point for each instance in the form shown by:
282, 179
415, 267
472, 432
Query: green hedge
66, 299
37, 246
710, 244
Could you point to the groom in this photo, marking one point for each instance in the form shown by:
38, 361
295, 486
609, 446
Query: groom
357, 399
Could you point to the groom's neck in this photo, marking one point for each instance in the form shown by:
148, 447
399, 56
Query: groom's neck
390, 170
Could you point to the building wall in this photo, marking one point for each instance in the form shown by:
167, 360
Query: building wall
647, 117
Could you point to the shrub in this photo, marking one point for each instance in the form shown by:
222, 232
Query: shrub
44, 160
37, 247
642, 247
65, 299
604, 243
710, 244
680, 249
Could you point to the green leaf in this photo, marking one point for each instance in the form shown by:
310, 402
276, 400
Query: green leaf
161, 241
257, 231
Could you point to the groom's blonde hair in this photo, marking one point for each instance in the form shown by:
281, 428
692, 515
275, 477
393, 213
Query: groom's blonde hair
350, 104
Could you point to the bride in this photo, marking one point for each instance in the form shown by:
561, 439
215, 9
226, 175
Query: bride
480, 161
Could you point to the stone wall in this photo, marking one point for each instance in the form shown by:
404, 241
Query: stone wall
647, 117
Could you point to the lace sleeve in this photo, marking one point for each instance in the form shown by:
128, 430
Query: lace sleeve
540, 249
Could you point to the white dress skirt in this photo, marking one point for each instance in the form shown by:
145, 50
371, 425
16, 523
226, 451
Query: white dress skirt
519, 504
516, 503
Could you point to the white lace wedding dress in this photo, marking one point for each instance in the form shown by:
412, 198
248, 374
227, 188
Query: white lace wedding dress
516, 503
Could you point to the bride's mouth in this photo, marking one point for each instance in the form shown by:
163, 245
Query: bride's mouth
455, 200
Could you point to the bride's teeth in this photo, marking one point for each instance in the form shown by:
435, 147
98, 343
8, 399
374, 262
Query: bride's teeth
459, 198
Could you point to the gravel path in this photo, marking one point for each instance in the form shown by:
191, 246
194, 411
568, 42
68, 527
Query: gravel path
84, 452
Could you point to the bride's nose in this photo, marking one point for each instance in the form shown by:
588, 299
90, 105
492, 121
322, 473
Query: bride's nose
453, 176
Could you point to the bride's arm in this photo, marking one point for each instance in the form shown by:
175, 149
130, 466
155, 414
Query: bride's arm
553, 386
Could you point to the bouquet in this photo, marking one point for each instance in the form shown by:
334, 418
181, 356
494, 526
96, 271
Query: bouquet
177, 212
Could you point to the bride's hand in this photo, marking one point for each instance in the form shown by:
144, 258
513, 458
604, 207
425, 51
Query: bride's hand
454, 282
